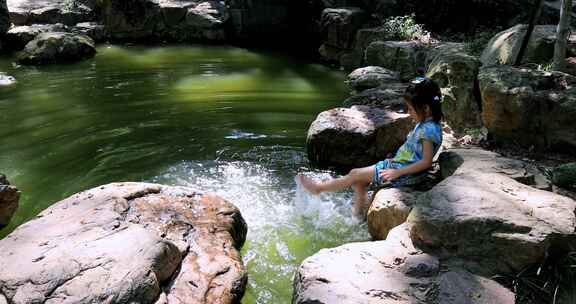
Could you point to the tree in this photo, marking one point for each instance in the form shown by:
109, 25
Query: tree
536, 10
562, 35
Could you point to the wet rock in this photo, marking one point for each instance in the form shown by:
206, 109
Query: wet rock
69, 12
9, 197
57, 47
492, 222
402, 56
6, 80
18, 36
456, 73
94, 30
389, 95
389, 208
390, 271
346, 138
128, 243
565, 175
338, 27
504, 46
529, 108
370, 77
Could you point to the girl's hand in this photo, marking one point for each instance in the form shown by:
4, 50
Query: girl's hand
390, 174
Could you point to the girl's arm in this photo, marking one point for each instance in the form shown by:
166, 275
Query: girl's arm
419, 166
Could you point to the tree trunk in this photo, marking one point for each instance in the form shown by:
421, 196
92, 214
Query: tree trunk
534, 16
562, 35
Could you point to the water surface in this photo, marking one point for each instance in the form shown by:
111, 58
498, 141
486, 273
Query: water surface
218, 119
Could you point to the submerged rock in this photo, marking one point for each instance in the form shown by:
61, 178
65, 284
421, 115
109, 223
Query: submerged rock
57, 47
456, 73
391, 271
9, 197
127, 243
529, 108
347, 138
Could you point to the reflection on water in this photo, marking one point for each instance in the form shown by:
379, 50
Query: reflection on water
218, 119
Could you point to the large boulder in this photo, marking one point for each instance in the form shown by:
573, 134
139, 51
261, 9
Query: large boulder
69, 12
57, 47
346, 138
402, 56
565, 175
338, 28
456, 73
503, 48
387, 95
19, 36
529, 108
390, 271
9, 196
132, 19
370, 77
94, 30
127, 243
492, 222
389, 208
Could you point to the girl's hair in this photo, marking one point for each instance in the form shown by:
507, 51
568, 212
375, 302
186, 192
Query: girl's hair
423, 92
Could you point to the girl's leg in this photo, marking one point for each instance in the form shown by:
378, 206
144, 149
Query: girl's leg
361, 176
360, 195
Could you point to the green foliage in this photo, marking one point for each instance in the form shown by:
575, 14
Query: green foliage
404, 28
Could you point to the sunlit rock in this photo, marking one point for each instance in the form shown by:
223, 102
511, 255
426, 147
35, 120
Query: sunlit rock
9, 196
456, 73
57, 47
389, 208
370, 77
6, 80
69, 12
391, 271
129, 243
346, 138
18, 36
402, 56
529, 108
504, 46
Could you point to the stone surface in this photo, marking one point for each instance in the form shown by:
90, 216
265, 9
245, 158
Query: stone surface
402, 56
94, 30
69, 12
57, 47
564, 175
346, 138
529, 108
9, 197
18, 36
6, 80
338, 27
370, 77
127, 243
456, 73
4, 17
389, 208
570, 66
492, 222
503, 48
389, 95
390, 271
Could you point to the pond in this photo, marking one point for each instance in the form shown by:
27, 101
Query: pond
219, 119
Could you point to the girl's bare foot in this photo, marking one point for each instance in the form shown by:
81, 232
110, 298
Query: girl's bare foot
308, 184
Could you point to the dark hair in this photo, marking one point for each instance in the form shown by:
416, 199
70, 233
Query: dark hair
423, 92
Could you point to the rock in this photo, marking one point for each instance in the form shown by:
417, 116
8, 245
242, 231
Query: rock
346, 138
69, 12
571, 46
402, 56
127, 243
57, 47
551, 12
390, 271
4, 18
338, 28
503, 48
6, 80
132, 19
456, 73
370, 77
564, 175
389, 208
9, 197
529, 108
570, 66
492, 222
390, 95
208, 14
94, 30
18, 36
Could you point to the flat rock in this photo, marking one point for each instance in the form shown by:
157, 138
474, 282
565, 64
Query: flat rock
127, 243
390, 271
9, 197
57, 47
389, 208
346, 138
528, 108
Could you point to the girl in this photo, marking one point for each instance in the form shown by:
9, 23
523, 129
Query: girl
414, 157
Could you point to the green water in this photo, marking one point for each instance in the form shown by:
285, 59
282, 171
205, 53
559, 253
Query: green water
218, 119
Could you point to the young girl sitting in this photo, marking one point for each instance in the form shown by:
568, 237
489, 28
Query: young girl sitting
414, 157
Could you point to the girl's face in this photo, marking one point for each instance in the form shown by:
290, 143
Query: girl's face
416, 115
